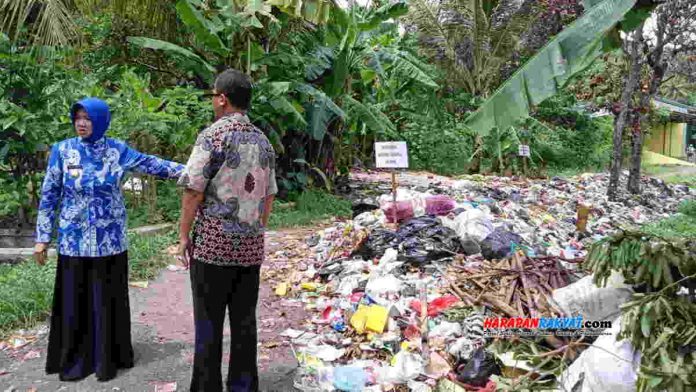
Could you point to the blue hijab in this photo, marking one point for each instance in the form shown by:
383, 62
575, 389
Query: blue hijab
99, 114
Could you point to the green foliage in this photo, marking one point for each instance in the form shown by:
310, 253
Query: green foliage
165, 207
659, 326
443, 147
688, 208
466, 39
310, 207
165, 124
681, 225
146, 255
543, 76
567, 137
642, 258
674, 226
27, 294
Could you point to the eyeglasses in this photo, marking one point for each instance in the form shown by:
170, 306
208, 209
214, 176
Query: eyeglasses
208, 95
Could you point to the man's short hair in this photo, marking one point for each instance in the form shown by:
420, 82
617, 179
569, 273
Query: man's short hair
236, 86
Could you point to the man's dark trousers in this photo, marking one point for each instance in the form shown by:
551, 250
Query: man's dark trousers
216, 288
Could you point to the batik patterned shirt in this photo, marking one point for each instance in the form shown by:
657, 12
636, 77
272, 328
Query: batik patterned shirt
233, 165
83, 182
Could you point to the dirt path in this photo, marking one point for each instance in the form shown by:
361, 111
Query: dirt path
162, 333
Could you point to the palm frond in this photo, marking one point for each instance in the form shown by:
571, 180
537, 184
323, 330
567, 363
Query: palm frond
50, 22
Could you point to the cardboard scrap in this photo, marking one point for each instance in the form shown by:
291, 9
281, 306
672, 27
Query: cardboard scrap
141, 285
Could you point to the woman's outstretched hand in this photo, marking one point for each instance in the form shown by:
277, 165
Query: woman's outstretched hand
40, 253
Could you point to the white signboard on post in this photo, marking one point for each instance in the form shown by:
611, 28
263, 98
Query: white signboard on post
391, 155
524, 151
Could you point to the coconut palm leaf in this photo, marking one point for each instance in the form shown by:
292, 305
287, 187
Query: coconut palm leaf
49, 21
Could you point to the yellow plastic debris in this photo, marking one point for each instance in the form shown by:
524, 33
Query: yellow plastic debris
282, 289
373, 318
311, 286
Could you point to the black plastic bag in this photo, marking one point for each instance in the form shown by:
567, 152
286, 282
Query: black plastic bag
378, 242
479, 369
424, 239
498, 244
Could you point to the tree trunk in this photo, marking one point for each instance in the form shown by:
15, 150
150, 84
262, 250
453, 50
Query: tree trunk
636, 149
626, 106
657, 67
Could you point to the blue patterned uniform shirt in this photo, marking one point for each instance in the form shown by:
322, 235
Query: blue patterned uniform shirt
83, 182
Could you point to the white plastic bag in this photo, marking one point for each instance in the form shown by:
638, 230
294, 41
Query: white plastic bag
584, 298
599, 369
472, 224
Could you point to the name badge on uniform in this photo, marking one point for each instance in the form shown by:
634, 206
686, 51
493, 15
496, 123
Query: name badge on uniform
75, 170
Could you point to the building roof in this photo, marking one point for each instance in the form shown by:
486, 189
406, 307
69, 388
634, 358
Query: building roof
679, 112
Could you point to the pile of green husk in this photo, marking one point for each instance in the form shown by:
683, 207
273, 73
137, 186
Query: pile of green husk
658, 322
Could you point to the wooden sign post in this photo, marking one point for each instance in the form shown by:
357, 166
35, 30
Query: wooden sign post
392, 155
525, 153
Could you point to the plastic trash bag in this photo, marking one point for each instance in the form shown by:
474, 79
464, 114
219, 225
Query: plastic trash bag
439, 205
474, 224
479, 369
349, 378
406, 366
404, 211
418, 240
462, 349
584, 298
414, 198
378, 242
426, 239
599, 369
498, 244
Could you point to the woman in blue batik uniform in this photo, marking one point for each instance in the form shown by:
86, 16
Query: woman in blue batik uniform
90, 321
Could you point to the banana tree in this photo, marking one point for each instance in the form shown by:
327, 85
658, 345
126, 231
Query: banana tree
233, 33
545, 74
364, 68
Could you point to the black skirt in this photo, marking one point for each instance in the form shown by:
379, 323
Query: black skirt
90, 322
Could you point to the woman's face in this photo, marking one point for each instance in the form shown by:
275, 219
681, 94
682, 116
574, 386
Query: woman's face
83, 125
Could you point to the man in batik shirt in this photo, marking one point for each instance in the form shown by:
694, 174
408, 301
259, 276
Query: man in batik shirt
230, 185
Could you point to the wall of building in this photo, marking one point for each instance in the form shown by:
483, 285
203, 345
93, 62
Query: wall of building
667, 139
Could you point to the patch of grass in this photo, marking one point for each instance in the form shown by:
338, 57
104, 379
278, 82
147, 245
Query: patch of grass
26, 294
310, 206
672, 174
688, 208
26, 289
167, 206
682, 224
146, 254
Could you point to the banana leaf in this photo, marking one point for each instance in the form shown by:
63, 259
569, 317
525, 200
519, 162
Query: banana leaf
374, 118
201, 27
547, 72
155, 44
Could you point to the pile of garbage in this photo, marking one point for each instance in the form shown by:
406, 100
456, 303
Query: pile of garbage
403, 307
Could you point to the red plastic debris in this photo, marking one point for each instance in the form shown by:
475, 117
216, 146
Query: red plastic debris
436, 306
